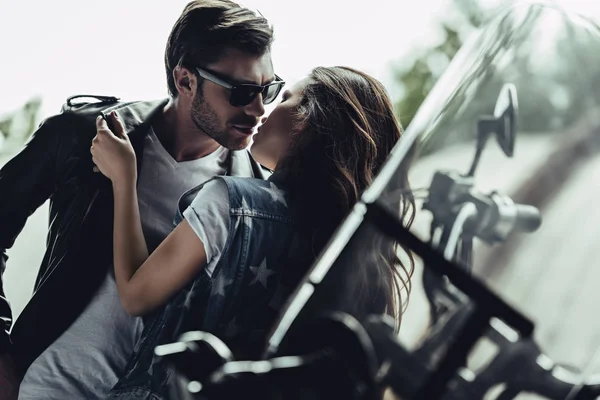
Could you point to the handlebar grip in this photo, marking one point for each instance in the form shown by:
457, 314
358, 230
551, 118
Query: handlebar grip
528, 218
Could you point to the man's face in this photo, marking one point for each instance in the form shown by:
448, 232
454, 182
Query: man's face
232, 127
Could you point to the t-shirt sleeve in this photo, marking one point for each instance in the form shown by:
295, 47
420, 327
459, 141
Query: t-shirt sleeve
208, 215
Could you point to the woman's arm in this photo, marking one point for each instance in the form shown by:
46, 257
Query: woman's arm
147, 282
144, 282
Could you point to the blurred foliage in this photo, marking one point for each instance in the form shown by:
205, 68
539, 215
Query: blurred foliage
418, 79
18, 125
549, 55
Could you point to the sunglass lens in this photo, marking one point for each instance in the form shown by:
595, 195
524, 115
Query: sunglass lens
243, 96
270, 93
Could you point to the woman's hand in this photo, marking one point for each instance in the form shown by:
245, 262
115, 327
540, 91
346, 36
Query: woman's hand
112, 152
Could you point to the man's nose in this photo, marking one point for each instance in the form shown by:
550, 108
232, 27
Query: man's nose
256, 108
263, 120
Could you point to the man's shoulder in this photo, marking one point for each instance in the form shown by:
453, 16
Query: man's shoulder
82, 106
81, 109
85, 108
85, 104
79, 112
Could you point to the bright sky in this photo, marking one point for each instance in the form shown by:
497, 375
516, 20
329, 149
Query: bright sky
58, 48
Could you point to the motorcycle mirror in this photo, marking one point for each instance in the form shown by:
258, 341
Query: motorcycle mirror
505, 112
503, 125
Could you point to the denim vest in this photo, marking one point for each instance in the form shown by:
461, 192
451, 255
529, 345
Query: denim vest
239, 302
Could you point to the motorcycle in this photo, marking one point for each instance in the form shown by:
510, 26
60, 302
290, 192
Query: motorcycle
529, 82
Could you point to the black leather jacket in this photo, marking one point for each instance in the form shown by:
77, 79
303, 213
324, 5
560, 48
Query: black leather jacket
56, 164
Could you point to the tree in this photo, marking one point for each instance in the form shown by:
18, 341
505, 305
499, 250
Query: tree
18, 125
548, 54
418, 79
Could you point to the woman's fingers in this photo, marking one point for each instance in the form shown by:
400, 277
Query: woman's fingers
110, 145
101, 125
118, 128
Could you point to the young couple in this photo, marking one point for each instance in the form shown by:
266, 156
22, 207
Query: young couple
108, 293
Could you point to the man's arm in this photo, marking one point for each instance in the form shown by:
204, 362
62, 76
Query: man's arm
26, 182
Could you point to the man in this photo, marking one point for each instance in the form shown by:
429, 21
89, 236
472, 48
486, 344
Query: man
73, 339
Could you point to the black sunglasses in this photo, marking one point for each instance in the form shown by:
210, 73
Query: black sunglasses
243, 94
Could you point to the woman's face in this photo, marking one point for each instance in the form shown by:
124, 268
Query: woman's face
273, 138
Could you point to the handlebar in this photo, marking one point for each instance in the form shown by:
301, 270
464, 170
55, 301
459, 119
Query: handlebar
528, 218
334, 358
338, 355
493, 217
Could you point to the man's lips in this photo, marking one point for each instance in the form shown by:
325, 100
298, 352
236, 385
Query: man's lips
244, 129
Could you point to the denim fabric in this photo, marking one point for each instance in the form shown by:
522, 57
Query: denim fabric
241, 299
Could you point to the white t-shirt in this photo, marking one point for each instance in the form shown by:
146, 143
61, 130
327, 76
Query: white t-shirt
208, 215
86, 361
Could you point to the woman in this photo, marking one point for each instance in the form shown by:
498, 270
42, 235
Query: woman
326, 141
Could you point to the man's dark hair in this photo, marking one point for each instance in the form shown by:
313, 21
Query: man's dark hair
207, 28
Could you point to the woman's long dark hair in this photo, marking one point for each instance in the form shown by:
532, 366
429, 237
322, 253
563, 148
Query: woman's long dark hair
347, 130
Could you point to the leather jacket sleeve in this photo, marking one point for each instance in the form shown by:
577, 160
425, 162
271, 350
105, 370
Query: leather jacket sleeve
26, 182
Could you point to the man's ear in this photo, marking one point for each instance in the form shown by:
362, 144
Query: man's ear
185, 81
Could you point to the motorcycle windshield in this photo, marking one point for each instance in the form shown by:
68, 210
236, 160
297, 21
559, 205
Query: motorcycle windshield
513, 128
